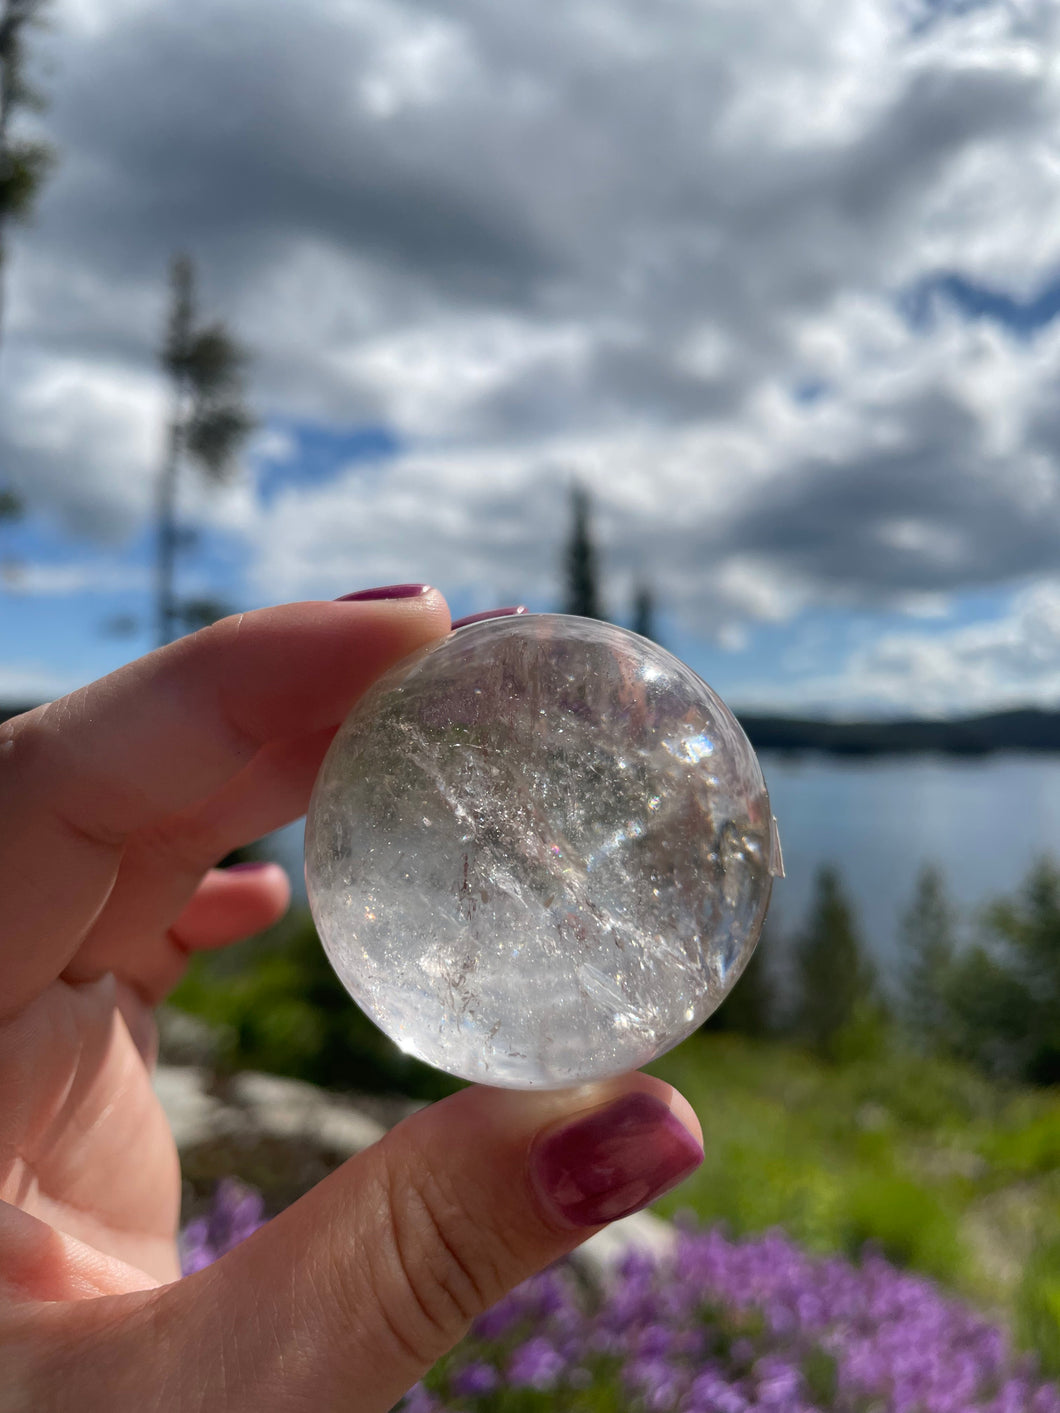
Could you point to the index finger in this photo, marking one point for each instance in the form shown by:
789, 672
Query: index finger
80, 775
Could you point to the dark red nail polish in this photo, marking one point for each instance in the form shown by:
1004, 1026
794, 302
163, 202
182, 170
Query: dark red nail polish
388, 591
490, 613
613, 1161
250, 866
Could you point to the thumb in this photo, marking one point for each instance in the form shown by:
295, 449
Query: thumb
349, 1296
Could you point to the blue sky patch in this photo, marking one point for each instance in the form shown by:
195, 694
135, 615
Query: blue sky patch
320, 452
1022, 317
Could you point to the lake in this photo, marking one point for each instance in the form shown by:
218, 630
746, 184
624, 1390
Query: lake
982, 820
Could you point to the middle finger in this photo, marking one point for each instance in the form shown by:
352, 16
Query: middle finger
162, 867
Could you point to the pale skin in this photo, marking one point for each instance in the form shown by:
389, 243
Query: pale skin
115, 804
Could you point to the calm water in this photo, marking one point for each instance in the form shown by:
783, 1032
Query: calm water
982, 821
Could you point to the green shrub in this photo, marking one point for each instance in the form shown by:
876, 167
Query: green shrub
1038, 1305
907, 1222
1032, 1148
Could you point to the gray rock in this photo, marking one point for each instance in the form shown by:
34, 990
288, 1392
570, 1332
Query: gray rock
260, 1105
184, 1039
194, 1115
290, 1108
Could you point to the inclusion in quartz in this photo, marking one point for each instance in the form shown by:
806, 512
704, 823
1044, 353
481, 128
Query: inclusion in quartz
539, 852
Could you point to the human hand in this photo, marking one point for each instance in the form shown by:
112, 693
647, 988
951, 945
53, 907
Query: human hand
114, 804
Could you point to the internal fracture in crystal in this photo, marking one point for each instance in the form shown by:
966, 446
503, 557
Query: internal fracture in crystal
540, 852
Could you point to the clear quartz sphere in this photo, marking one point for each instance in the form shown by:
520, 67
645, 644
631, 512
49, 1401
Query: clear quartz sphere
539, 852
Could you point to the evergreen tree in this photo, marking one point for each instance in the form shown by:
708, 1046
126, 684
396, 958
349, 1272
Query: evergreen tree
10, 565
1005, 993
990, 1009
644, 612
927, 946
208, 422
750, 1007
583, 594
833, 978
24, 162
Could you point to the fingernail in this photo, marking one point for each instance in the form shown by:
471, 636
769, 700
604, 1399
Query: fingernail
251, 866
388, 591
614, 1161
490, 613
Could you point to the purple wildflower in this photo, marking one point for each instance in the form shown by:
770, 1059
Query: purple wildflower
722, 1326
758, 1326
235, 1213
474, 1379
535, 1364
419, 1400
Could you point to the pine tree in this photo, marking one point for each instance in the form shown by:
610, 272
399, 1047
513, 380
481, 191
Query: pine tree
927, 944
208, 423
750, 1007
833, 977
644, 611
24, 162
1012, 986
583, 596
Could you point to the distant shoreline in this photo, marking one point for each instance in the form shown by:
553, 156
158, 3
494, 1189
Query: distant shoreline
1022, 729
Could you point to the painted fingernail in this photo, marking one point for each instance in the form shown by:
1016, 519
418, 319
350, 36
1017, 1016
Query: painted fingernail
490, 613
613, 1161
251, 866
388, 591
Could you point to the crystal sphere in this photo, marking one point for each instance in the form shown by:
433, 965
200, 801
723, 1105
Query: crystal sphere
539, 851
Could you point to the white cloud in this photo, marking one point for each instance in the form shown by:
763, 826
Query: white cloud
1010, 660
86, 438
24, 579
910, 486
572, 240
31, 682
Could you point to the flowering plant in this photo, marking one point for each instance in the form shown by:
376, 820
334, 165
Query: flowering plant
719, 1326
236, 1211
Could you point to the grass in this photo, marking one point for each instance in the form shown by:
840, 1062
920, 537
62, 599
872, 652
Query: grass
942, 1170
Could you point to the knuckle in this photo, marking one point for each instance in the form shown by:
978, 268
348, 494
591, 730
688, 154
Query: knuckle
44, 768
444, 1258
171, 846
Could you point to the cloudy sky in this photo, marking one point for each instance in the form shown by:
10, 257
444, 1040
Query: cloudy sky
778, 284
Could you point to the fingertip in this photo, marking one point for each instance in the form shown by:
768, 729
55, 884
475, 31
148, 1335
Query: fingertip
233, 903
683, 1111
610, 1161
679, 1106
607, 1091
276, 888
253, 870
427, 602
264, 878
